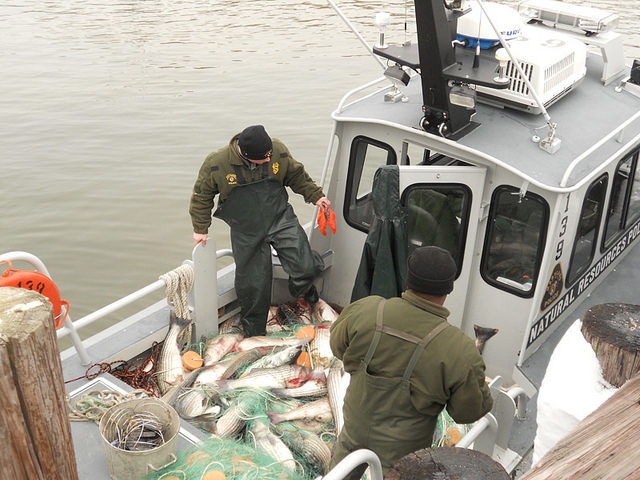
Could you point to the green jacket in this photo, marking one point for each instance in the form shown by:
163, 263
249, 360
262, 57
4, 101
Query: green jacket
218, 176
449, 373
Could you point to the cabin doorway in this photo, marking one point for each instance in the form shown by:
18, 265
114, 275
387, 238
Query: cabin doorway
444, 209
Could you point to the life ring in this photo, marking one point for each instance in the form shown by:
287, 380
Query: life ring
38, 282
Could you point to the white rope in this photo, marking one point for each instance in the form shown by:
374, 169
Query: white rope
178, 285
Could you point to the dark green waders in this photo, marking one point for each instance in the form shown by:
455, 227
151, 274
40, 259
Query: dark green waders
259, 215
378, 413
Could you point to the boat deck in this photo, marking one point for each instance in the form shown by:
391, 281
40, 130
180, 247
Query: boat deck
619, 286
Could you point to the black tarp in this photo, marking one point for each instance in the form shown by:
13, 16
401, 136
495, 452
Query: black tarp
383, 266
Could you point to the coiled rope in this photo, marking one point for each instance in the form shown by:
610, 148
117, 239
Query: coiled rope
178, 285
94, 404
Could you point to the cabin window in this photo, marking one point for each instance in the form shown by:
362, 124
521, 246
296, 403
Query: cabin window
516, 232
438, 215
367, 155
615, 226
633, 212
588, 227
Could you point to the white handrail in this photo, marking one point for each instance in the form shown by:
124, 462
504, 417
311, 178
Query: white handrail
487, 422
70, 327
117, 305
354, 459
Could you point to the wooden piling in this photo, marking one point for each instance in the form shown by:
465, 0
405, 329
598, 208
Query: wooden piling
34, 426
447, 462
603, 446
613, 331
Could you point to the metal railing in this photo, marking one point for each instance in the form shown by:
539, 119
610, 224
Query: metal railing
205, 281
353, 460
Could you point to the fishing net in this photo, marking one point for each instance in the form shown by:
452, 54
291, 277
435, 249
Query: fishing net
255, 432
448, 432
219, 459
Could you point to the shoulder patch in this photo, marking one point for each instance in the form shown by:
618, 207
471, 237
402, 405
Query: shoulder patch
215, 168
284, 155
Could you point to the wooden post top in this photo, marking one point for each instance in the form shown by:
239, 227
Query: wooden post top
445, 463
21, 312
617, 323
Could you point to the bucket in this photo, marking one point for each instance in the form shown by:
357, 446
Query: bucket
126, 421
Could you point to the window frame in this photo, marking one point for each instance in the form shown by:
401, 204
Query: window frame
351, 188
464, 224
608, 241
572, 274
542, 240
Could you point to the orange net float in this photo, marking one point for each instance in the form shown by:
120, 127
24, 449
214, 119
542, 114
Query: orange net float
38, 282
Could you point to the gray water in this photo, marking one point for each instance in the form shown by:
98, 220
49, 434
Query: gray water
109, 107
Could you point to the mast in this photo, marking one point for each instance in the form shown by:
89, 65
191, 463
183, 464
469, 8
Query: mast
436, 28
446, 68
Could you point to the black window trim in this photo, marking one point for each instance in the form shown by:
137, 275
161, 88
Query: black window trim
634, 166
606, 243
541, 243
572, 277
464, 226
350, 192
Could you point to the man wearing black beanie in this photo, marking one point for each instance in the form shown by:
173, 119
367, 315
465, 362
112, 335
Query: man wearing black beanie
250, 175
406, 364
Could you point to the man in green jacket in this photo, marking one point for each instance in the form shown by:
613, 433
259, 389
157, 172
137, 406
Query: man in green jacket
406, 364
250, 175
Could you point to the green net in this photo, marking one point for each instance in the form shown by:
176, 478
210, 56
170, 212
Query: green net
255, 434
448, 432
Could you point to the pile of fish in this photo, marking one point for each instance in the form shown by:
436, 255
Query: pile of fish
281, 393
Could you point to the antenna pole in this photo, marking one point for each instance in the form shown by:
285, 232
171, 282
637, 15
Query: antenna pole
354, 30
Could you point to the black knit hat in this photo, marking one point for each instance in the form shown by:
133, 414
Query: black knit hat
431, 270
255, 143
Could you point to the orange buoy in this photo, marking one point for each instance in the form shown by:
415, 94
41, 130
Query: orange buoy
197, 456
38, 282
452, 436
304, 359
192, 360
214, 475
306, 332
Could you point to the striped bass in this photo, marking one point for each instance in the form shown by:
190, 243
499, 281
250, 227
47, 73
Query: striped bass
270, 444
269, 378
231, 422
310, 426
192, 403
318, 410
261, 341
337, 383
319, 348
218, 346
315, 385
212, 374
277, 359
310, 447
170, 371
323, 312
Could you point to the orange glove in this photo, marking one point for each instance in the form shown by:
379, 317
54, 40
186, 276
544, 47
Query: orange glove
331, 221
326, 218
322, 222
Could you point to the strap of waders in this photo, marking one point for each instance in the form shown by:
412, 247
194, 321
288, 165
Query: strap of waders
377, 334
420, 348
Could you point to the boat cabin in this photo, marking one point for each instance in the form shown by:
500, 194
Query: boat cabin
534, 223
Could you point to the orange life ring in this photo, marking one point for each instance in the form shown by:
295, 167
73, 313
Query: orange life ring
37, 282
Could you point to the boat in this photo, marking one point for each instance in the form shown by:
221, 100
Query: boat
515, 147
